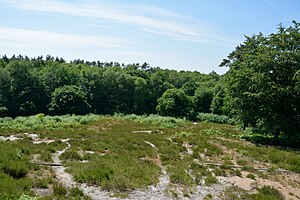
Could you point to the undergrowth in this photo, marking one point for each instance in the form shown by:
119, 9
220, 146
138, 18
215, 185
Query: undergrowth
123, 153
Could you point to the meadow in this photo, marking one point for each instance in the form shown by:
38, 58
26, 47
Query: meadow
122, 154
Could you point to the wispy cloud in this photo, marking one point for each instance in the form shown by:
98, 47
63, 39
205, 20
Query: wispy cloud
52, 39
34, 43
148, 18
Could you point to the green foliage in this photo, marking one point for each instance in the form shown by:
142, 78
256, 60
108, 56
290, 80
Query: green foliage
127, 153
11, 188
202, 100
69, 99
71, 155
141, 96
168, 122
13, 169
266, 193
40, 121
220, 119
262, 83
21, 91
26, 197
217, 104
283, 159
210, 179
13, 161
52, 86
179, 176
174, 102
59, 190
76, 192
250, 175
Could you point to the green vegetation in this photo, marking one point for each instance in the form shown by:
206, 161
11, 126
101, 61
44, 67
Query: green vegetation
129, 145
123, 153
53, 86
220, 119
262, 84
210, 179
266, 193
263, 193
40, 121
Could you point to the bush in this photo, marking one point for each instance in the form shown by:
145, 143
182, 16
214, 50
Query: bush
13, 161
210, 179
169, 122
40, 121
69, 99
174, 102
16, 169
266, 193
220, 119
26, 197
59, 190
71, 155
11, 188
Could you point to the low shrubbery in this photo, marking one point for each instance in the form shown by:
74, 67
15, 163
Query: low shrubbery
40, 121
220, 119
13, 169
168, 122
123, 153
268, 139
266, 193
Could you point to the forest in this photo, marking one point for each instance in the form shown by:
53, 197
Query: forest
261, 89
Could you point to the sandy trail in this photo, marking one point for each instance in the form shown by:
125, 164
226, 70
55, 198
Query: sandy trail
66, 179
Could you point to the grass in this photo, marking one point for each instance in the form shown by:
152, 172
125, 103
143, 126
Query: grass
210, 180
285, 159
42, 122
263, 193
220, 119
251, 176
266, 193
124, 153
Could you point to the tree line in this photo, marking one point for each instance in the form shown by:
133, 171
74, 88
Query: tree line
261, 88
52, 86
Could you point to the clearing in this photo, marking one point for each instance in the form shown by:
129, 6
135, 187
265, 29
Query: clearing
139, 157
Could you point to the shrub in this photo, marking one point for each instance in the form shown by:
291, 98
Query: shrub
220, 119
266, 193
59, 190
69, 99
76, 192
40, 121
71, 155
26, 197
174, 102
210, 179
11, 188
251, 176
16, 169
168, 122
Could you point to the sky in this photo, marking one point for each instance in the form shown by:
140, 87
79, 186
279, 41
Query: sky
190, 35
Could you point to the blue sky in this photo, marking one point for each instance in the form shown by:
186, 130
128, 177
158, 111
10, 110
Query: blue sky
174, 34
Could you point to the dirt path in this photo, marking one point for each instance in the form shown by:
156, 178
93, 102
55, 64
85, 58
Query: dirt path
66, 179
95, 192
153, 192
164, 189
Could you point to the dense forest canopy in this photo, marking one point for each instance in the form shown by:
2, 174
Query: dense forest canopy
52, 86
261, 88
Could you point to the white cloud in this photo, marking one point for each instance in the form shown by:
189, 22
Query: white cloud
34, 43
52, 39
148, 18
